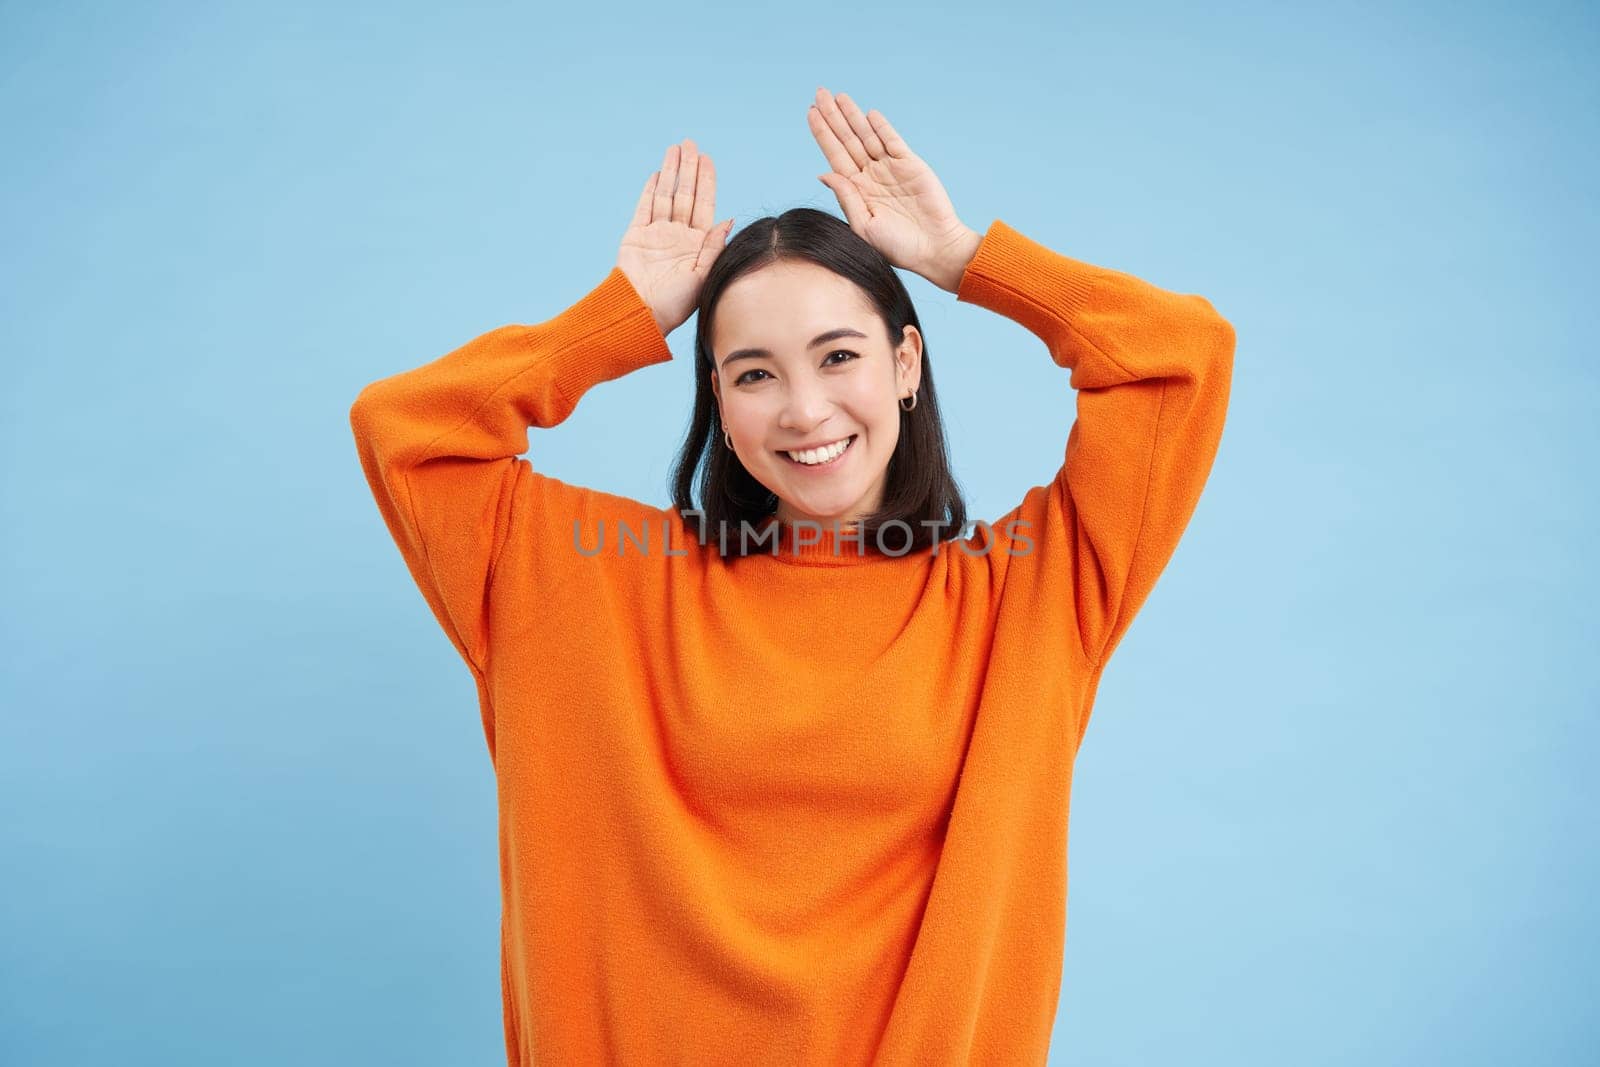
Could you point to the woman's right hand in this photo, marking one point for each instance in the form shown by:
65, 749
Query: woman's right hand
672, 242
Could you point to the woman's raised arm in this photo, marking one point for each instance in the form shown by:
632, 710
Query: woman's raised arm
1152, 369
440, 444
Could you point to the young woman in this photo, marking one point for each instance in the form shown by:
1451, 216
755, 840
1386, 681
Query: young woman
799, 797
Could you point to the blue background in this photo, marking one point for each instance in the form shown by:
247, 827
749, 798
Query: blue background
1337, 801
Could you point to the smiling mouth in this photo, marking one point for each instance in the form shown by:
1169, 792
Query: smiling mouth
849, 443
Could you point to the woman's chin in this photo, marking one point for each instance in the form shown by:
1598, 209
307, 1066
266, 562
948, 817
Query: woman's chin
819, 504
819, 515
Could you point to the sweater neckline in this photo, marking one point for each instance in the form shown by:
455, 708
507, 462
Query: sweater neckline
816, 544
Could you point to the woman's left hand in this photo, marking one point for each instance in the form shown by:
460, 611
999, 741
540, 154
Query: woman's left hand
890, 196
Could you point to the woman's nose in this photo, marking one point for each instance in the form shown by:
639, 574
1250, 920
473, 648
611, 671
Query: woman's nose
806, 405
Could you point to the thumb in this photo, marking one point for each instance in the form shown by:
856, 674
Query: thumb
855, 208
712, 245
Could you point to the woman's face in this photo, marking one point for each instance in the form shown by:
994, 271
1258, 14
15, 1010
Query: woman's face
778, 391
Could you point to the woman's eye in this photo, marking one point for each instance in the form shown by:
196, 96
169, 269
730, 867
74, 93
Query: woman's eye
745, 379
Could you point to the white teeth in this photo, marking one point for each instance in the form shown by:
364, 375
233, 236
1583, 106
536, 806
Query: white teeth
813, 456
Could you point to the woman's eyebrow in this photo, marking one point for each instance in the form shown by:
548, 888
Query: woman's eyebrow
820, 339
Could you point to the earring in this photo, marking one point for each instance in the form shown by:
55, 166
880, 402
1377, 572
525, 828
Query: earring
904, 406
727, 440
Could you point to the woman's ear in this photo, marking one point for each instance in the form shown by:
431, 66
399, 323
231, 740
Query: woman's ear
908, 360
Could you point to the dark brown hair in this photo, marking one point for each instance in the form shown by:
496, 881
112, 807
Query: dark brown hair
918, 488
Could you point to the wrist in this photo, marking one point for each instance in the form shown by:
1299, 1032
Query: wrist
952, 264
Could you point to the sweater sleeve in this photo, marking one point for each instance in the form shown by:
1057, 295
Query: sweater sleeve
1152, 371
439, 444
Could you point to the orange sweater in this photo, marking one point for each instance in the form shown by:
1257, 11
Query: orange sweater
805, 807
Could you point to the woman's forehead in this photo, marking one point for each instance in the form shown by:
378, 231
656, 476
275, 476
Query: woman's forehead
787, 304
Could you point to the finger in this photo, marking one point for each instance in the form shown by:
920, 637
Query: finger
855, 208
705, 195
641, 211
861, 127
832, 150
891, 139
661, 204
841, 128
688, 165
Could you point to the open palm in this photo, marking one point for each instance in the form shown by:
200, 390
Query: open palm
671, 241
890, 196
